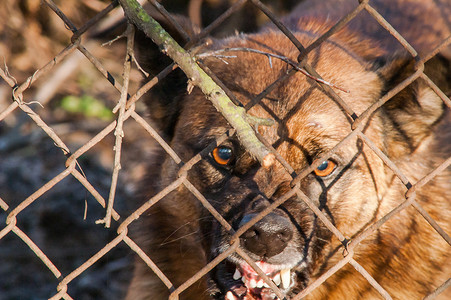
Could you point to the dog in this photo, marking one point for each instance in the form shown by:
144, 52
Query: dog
352, 187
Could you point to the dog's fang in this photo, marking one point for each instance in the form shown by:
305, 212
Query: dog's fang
276, 279
230, 296
285, 276
260, 283
236, 275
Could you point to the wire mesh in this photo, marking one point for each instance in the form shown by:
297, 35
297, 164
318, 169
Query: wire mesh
126, 111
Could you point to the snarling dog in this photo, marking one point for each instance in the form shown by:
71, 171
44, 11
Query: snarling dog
352, 187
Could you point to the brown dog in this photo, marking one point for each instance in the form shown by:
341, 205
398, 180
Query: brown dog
353, 187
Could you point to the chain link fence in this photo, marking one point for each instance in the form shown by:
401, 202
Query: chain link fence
45, 251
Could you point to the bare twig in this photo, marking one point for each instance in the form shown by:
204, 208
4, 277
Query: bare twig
218, 54
236, 116
119, 133
6, 75
110, 42
139, 66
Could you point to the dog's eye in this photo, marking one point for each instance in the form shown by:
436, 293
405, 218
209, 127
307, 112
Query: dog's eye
222, 155
326, 168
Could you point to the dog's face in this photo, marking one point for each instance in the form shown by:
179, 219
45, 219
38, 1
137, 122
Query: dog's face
290, 244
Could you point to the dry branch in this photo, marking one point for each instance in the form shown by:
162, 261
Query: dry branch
236, 116
217, 54
119, 133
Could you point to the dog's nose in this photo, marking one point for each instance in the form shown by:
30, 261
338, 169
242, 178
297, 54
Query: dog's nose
269, 236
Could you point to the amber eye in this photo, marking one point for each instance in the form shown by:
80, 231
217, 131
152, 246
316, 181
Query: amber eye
222, 155
326, 168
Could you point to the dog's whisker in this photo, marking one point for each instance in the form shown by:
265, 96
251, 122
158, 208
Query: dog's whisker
165, 242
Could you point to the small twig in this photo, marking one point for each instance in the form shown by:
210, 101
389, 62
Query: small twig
236, 116
33, 102
119, 133
223, 57
124, 35
217, 54
109, 43
6, 75
138, 65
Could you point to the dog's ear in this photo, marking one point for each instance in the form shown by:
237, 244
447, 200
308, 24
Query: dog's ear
413, 113
163, 100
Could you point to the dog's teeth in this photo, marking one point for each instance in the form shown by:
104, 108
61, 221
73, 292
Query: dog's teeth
260, 283
276, 279
285, 276
230, 296
243, 279
253, 283
265, 285
237, 275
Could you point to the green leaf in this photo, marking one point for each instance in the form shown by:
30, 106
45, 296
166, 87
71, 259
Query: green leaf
87, 106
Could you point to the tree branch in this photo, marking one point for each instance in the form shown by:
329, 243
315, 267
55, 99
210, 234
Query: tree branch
218, 54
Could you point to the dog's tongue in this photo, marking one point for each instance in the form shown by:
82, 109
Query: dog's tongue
254, 287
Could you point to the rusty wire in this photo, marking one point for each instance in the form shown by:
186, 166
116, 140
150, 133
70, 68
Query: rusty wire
126, 109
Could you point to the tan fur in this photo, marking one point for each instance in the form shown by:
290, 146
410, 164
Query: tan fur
406, 255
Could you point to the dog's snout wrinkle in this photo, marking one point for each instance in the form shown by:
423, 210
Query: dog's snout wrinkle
269, 236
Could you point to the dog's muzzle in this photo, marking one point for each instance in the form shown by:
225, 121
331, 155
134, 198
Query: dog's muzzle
267, 237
